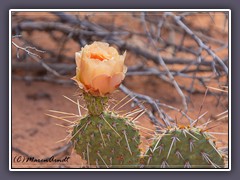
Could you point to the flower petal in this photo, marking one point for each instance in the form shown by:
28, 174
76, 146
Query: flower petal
78, 58
81, 86
116, 80
107, 84
101, 83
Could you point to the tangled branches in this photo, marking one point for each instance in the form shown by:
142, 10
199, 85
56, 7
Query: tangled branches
167, 45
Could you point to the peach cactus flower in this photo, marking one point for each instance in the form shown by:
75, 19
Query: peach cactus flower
100, 68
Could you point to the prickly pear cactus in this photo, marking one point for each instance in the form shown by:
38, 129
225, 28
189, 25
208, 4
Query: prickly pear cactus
105, 139
183, 147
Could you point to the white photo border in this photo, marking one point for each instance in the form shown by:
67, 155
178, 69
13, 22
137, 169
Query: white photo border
113, 10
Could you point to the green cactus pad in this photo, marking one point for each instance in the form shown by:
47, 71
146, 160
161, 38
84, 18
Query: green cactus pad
183, 148
107, 141
95, 104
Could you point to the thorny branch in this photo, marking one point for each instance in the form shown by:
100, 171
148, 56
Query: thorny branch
136, 97
200, 43
162, 63
35, 57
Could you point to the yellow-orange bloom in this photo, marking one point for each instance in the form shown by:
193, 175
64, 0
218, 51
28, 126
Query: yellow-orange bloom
100, 68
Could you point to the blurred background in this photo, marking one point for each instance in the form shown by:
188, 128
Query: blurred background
177, 72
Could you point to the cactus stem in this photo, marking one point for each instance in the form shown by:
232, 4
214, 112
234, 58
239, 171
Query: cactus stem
174, 140
110, 125
98, 153
99, 128
95, 104
125, 134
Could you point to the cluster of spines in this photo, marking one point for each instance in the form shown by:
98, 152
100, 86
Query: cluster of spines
183, 148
